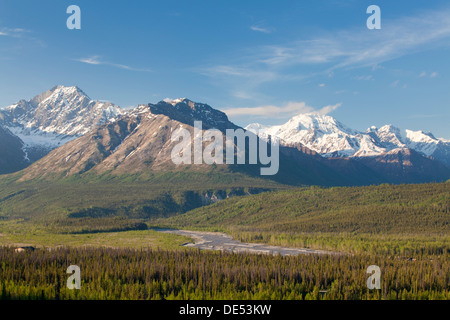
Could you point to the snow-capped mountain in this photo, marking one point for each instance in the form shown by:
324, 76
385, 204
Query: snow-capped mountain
323, 134
55, 117
330, 138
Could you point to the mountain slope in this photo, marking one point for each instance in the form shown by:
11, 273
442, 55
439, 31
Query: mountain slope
12, 156
406, 166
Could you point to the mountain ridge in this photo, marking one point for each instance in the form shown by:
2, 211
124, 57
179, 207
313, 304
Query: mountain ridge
330, 138
316, 149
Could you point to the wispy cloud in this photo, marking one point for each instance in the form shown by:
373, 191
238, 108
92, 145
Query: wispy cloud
13, 32
260, 75
431, 75
361, 48
96, 60
342, 49
395, 83
398, 84
364, 78
22, 39
90, 60
288, 110
261, 29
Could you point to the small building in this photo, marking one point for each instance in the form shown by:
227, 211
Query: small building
24, 249
322, 293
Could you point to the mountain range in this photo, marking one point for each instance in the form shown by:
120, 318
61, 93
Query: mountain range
330, 138
63, 132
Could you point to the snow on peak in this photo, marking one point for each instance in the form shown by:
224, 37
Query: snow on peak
314, 121
320, 133
329, 137
420, 136
175, 101
67, 90
57, 115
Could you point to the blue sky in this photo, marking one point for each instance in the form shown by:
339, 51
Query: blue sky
261, 61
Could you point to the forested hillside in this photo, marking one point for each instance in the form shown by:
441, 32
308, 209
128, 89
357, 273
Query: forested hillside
394, 209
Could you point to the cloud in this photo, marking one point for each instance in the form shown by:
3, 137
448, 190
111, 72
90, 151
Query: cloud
242, 95
364, 78
24, 40
90, 60
432, 74
361, 48
13, 32
322, 85
321, 55
259, 75
96, 60
288, 110
328, 109
260, 29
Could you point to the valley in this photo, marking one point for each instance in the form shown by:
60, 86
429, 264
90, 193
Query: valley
403, 229
106, 183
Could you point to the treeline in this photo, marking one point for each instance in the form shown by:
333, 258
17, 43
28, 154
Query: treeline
189, 274
376, 244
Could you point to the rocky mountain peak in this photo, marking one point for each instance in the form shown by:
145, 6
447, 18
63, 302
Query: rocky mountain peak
187, 111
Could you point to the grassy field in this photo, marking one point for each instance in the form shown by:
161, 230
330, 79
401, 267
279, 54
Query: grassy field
17, 233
